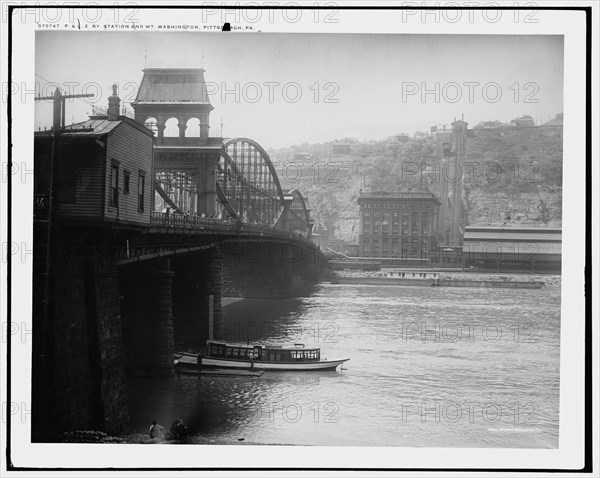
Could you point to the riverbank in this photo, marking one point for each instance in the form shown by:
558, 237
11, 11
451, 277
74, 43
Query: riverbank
446, 278
198, 439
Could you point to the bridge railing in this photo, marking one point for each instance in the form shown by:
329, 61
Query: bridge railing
213, 225
185, 221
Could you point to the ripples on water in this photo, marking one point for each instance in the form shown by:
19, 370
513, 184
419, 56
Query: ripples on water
446, 367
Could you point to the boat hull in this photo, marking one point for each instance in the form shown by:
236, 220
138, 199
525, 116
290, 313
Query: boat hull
258, 364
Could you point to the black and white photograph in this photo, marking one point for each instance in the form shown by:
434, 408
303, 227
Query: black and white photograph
299, 239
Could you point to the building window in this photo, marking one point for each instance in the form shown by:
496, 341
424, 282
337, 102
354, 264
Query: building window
415, 224
395, 223
126, 175
394, 246
366, 246
114, 183
385, 225
405, 230
384, 245
141, 190
425, 223
366, 223
377, 222
409, 248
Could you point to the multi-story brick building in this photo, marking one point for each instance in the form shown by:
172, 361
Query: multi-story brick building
397, 224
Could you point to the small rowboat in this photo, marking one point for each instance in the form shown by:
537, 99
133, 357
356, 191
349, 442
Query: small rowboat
266, 357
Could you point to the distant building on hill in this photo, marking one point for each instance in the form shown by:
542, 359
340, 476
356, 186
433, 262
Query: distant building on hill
301, 157
340, 148
525, 120
489, 124
402, 138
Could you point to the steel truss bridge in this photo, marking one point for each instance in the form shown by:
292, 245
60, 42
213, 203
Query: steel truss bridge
247, 190
249, 205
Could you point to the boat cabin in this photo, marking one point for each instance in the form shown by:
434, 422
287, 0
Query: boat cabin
266, 353
412, 274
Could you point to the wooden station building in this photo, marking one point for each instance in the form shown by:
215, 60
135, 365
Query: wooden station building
103, 170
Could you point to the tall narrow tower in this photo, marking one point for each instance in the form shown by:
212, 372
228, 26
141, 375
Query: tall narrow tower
443, 146
451, 145
459, 146
174, 103
178, 93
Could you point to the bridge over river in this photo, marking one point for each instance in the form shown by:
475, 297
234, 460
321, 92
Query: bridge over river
141, 226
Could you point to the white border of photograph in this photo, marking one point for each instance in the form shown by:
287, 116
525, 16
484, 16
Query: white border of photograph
569, 455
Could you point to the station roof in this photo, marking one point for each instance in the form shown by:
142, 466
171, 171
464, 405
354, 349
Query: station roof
512, 234
100, 126
96, 126
517, 248
383, 195
173, 85
512, 240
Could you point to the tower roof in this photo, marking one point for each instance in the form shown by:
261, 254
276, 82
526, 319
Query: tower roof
173, 85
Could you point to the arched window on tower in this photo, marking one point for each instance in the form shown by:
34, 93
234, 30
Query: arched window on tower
152, 125
171, 128
192, 129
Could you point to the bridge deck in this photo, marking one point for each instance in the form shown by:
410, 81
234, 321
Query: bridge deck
208, 225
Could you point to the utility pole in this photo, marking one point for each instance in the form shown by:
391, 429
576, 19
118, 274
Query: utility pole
46, 352
58, 113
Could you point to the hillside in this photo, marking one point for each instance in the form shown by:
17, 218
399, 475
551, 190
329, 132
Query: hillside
512, 177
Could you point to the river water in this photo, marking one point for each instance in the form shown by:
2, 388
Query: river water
429, 367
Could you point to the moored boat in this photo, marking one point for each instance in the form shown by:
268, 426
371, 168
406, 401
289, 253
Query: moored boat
266, 357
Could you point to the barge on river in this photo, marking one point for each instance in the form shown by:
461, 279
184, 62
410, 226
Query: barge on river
266, 357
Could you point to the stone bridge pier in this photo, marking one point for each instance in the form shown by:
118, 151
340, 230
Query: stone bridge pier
197, 299
169, 304
268, 269
148, 317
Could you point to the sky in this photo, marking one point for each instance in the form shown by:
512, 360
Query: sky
284, 89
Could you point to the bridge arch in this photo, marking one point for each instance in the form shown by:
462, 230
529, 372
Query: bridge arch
248, 187
299, 214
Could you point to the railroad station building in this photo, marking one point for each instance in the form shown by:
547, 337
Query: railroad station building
513, 248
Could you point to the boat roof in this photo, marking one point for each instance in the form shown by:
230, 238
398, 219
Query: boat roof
263, 345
